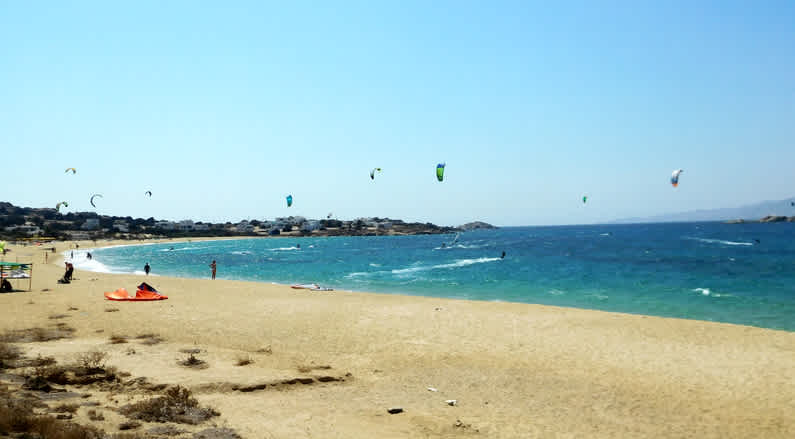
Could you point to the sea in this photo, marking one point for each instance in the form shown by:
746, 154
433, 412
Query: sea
733, 273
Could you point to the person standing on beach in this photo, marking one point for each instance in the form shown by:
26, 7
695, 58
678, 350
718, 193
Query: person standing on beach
212, 267
147, 268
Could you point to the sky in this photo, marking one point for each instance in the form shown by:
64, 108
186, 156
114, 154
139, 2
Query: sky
222, 109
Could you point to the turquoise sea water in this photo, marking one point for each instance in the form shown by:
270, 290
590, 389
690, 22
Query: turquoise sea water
736, 273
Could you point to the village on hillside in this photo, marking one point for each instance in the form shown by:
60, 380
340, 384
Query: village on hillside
26, 223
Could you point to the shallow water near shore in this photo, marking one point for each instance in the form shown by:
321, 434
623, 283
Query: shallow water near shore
733, 273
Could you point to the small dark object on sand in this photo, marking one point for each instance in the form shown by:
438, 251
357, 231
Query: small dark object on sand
395, 410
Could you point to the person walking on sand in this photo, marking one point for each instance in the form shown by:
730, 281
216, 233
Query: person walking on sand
212, 267
147, 268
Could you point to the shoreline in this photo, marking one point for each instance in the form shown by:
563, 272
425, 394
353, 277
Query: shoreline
401, 293
398, 292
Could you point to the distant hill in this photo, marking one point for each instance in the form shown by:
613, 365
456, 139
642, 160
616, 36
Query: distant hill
750, 212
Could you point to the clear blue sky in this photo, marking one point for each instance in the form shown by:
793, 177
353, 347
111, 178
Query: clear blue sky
221, 109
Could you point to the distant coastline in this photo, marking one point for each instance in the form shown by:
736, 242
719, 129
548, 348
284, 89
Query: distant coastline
767, 219
24, 223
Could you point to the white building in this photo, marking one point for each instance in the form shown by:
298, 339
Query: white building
121, 226
311, 225
166, 225
201, 226
90, 224
79, 236
244, 227
28, 229
185, 225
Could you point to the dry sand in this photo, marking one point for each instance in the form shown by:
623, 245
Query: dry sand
516, 370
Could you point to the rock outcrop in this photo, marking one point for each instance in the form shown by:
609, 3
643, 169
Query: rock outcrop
476, 225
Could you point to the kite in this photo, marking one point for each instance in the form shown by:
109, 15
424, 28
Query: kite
62, 203
675, 177
289, 200
372, 173
92, 199
148, 193
328, 216
440, 171
74, 171
584, 199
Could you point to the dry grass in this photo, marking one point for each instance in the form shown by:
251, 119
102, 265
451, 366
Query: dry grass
191, 351
111, 309
118, 339
193, 362
8, 354
18, 420
88, 368
265, 350
244, 361
72, 308
40, 361
129, 425
58, 316
95, 416
150, 339
306, 368
59, 331
177, 405
92, 360
65, 408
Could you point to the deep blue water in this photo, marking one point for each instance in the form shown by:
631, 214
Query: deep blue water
736, 273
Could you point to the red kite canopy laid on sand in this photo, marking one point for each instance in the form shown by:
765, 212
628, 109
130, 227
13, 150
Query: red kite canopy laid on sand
145, 292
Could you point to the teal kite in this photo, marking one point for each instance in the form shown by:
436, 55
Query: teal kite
289, 200
372, 173
62, 203
440, 171
584, 199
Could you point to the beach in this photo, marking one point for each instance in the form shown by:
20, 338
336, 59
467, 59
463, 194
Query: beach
330, 364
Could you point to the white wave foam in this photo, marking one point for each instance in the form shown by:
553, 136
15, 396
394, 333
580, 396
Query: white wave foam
180, 249
284, 249
708, 292
556, 292
241, 252
373, 264
450, 247
720, 241
92, 265
704, 291
456, 264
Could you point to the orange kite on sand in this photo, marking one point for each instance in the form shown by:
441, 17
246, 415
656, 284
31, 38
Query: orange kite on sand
145, 292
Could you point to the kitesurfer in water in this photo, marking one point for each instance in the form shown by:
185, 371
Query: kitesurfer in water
502, 256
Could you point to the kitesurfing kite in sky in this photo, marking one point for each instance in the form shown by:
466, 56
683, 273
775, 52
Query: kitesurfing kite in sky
372, 173
92, 199
62, 203
148, 193
74, 171
289, 200
440, 171
675, 177
584, 198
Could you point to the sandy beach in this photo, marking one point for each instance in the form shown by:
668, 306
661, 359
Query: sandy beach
330, 364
